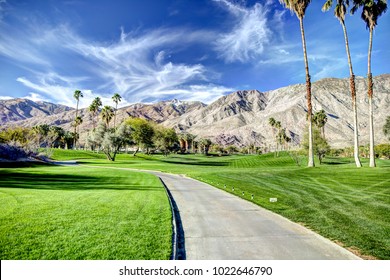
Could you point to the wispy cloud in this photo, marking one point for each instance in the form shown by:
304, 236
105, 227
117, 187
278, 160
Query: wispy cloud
136, 66
248, 37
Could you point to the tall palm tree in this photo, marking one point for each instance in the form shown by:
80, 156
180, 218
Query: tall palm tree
299, 8
77, 94
107, 113
340, 12
372, 10
116, 98
94, 108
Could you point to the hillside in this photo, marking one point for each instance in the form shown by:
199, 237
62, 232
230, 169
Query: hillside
240, 118
22, 109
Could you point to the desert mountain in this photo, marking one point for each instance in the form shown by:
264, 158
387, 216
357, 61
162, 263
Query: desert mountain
22, 109
240, 118
157, 112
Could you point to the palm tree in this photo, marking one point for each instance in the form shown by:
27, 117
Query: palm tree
107, 113
272, 123
372, 10
340, 11
94, 108
77, 122
320, 119
116, 98
77, 94
299, 8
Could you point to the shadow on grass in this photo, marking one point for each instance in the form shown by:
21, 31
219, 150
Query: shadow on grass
184, 161
10, 179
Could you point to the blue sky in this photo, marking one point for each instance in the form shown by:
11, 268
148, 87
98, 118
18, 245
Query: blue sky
152, 50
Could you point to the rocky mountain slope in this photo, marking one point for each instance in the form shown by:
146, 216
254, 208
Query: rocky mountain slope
22, 109
64, 117
240, 118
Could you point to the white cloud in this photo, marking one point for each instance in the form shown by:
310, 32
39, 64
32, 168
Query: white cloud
6, 97
136, 66
249, 35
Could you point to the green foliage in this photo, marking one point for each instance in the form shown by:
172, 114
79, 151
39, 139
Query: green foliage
107, 114
320, 145
143, 132
383, 150
386, 128
166, 140
320, 119
110, 140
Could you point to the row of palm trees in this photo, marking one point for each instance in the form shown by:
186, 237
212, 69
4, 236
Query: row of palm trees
107, 112
371, 11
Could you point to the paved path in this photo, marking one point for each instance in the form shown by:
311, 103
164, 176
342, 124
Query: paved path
220, 226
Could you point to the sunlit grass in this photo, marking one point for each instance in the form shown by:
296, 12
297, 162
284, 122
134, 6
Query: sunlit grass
50, 212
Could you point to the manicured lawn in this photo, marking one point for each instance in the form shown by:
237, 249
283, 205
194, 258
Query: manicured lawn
337, 200
58, 212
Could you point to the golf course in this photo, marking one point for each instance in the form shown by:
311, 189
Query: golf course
107, 210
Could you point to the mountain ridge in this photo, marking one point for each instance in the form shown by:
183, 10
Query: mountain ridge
241, 118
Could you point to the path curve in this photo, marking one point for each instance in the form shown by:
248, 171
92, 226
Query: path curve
220, 226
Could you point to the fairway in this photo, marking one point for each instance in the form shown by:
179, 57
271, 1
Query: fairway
347, 205
61, 212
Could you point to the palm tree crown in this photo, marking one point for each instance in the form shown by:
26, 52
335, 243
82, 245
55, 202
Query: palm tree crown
107, 113
297, 6
372, 10
116, 98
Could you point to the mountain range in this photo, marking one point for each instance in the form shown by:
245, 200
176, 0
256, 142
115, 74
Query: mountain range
240, 118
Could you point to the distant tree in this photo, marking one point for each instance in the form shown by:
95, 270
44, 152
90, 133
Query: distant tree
205, 143
143, 132
54, 135
106, 114
386, 128
41, 131
371, 11
321, 146
94, 109
110, 142
383, 150
116, 98
340, 11
231, 149
77, 94
165, 139
299, 8
320, 119
17, 136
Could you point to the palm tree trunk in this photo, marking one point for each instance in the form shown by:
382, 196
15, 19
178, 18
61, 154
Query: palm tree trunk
308, 96
116, 106
75, 127
371, 109
353, 95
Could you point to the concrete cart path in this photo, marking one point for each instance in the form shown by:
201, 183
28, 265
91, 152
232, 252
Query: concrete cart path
220, 226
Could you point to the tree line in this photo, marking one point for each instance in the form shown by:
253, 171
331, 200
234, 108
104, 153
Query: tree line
371, 10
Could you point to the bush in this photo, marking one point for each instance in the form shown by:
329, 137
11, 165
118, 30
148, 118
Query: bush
383, 151
9, 152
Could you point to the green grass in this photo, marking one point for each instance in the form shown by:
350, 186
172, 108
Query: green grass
54, 212
337, 200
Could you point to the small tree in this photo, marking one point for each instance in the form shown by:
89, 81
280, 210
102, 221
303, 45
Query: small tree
143, 132
109, 141
321, 146
165, 139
